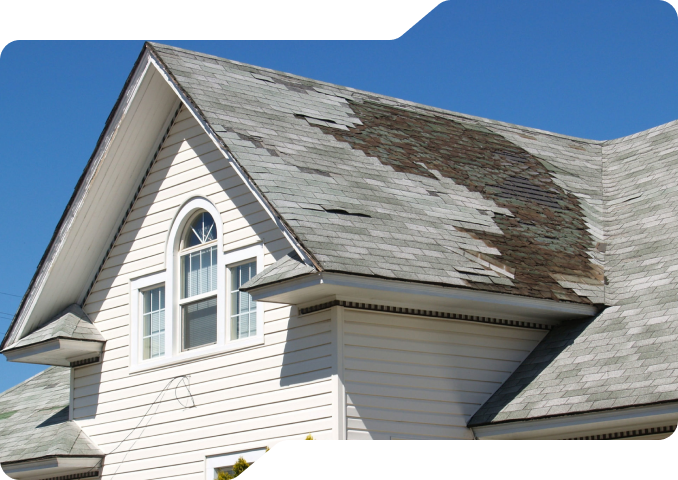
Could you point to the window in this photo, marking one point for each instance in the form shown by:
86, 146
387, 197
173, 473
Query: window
243, 308
199, 283
154, 323
195, 307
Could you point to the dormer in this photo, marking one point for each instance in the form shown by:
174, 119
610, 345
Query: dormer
69, 339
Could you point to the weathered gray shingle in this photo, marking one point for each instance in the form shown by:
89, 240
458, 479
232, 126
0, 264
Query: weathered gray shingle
34, 420
628, 355
72, 323
377, 186
288, 267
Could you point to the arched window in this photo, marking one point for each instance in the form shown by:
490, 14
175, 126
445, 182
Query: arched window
198, 282
194, 307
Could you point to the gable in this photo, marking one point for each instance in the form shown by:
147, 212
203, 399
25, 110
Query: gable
188, 165
99, 201
110, 183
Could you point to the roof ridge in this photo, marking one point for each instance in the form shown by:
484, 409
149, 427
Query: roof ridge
422, 106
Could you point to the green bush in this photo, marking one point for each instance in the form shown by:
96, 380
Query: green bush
239, 467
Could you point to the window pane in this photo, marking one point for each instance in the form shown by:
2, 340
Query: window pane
199, 272
200, 323
243, 308
153, 328
201, 230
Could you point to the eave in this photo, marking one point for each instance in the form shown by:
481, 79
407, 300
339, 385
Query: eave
98, 205
307, 289
607, 422
64, 352
54, 466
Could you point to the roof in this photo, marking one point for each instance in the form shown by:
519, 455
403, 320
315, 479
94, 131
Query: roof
375, 186
628, 355
34, 420
72, 323
289, 267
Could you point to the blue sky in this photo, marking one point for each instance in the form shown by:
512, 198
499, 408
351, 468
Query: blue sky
597, 69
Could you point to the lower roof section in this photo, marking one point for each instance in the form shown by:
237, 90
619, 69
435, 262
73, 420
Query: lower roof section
68, 339
38, 440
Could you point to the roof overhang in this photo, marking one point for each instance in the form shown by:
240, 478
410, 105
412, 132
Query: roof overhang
98, 205
53, 466
56, 351
307, 289
609, 422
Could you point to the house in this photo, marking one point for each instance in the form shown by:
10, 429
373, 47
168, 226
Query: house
251, 256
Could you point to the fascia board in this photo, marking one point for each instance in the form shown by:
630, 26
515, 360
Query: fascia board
392, 290
268, 208
59, 237
579, 424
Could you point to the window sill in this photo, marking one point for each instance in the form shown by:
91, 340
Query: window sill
196, 354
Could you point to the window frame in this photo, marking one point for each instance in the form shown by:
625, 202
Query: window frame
171, 278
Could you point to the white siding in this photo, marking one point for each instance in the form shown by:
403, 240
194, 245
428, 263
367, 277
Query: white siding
410, 377
244, 399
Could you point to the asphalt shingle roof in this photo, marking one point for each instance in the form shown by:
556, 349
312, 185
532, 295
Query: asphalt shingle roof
628, 355
376, 186
288, 267
372, 185
34, 420
71, 323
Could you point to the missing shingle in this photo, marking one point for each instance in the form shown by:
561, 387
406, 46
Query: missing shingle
256, 141
336, 210
263, 78
341, 211
434, 193
314, 171
307, 117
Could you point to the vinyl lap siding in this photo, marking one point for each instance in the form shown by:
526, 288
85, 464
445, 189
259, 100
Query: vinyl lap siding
245, 399
411, 377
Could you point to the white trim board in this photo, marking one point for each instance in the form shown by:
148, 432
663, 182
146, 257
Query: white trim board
314, 287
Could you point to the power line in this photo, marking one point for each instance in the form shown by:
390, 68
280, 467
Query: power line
5, 313
10, 294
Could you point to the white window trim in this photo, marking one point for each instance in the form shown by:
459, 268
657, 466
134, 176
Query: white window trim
229, 459
170, 277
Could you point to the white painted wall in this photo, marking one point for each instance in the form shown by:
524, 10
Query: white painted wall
410, 377
244, 399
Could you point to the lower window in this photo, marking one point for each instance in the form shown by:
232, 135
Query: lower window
199, 320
